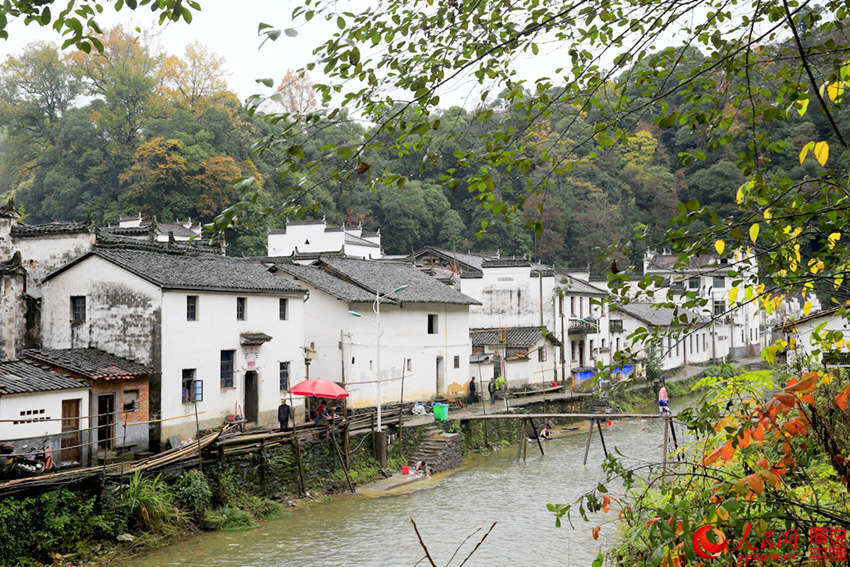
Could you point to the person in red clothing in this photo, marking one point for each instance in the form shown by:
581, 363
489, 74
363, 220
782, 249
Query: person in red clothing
663, 400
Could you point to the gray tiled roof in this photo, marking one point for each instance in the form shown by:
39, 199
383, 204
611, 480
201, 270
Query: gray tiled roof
512, 336
701, 263
357, 241
575, 285
114, 240
471, 260
384, 276
203, 272
20, 377
23, 230
89, 362
652, 314
322, 280
505, 263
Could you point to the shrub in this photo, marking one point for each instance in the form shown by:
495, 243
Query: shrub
149, 501
236, 519
263, 507
192, 493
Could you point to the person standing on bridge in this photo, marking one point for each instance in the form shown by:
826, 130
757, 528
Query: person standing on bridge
472, 390
284, 414
491, 387
663, 400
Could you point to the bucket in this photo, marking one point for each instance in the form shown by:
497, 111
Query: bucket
441, 412
405, 469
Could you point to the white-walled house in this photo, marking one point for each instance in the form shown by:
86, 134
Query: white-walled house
223, 328
831, 346
315, 237
35, 403
425, 326
522, 355
678, 347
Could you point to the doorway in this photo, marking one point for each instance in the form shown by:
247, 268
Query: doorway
440, 377
70, 440
252, 401
581, 353
105, 420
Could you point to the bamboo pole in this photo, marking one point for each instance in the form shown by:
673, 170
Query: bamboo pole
521, 441
587, 445
341, 461
536, 435
346, 442
302, 490
602, 437
401, 410
666, 433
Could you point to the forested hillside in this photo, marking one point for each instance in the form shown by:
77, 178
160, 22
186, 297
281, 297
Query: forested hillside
127, 130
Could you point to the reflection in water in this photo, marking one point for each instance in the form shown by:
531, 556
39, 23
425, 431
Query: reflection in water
376, 531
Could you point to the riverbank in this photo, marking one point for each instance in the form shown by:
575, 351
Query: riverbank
106, 524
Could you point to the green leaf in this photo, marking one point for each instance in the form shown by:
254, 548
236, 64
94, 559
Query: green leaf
340, 22
290, 32
266, 82
754, 232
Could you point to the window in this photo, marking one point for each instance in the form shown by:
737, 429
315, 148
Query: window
457, 361
191, 307
131, 400
573, 306
617, 343
581, 307
227, 357
284, 375
704, 347
432, 324
719, 307
410, 365
282, 307
240, 308
719, 282
188, 384
693, 283
591, 347
78, 309
615, 325
541, 354
691, 341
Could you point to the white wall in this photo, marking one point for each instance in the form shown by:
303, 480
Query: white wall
43, 254
804, 335
346, 347
509, 297
358, 251
520, 372
298, 235
122, 311
198, 345
34, 431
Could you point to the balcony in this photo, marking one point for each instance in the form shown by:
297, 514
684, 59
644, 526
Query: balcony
583, 326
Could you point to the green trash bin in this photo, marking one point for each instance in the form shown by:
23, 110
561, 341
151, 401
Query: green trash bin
441, 412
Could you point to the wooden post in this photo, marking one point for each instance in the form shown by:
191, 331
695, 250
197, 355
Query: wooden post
524, 442
297, 448
666, 433
675, 442
521, 441
587, 445
263, 465
221, 454
197, 431
602, 437
346, 443
536, 435
341, 462
401, 411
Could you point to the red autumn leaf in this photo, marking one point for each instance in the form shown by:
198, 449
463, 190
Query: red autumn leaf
596, 532
727, 451
744, 439
841, 398
763, 463
786, 399
713, 456
796, 427
606, 501
808, 399
758, 433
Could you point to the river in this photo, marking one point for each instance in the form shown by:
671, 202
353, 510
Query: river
376, 531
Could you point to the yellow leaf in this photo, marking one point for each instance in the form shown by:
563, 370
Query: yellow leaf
767, 215
802, 105
821, 152
754, 232
833, 239
835, 90
722, 514
807, 307
720, 246
805, 151
733, 294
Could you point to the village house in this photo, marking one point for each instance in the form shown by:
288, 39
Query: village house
821, 337
138, 227
316, 237
424, 341
120, 394
677, 346
740, 330
521, 355
37, 405
212, 329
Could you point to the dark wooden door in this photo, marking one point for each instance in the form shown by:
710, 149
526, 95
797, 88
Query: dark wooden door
105, 420
70, 431
251, 396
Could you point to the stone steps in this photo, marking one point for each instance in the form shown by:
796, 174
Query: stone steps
442, 451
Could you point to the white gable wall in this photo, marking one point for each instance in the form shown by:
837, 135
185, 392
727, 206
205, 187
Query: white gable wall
43, 254
122, 311
198, 345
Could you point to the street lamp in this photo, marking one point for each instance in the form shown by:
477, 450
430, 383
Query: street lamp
376, 308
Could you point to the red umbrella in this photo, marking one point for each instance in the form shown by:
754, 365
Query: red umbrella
319, 388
